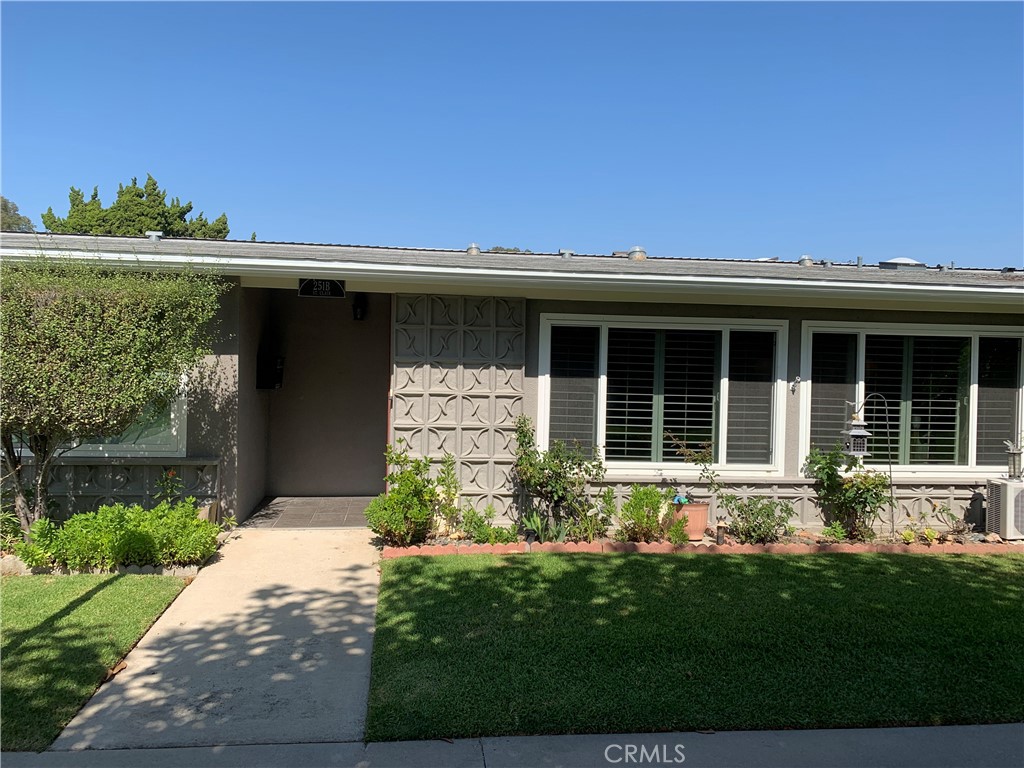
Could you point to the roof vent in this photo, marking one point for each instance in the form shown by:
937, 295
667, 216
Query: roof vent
154, 235
637, 253
1008, 270
473, 250
805, 260
901, 262
565, 254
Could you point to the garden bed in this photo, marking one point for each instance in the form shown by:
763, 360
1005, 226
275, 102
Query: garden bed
706, 548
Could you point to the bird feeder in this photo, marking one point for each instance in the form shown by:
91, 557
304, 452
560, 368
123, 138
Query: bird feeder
856, 442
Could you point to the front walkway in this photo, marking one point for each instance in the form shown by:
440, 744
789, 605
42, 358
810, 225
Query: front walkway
310, 512
269, 645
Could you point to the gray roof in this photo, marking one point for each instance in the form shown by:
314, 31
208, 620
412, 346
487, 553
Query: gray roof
516, 262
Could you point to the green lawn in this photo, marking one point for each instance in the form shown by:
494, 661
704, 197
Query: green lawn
485, 645
59, 636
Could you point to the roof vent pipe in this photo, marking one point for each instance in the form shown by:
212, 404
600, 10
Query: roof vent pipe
154, 235
805, 261
566, 254
860, 262
637, 253
473, 250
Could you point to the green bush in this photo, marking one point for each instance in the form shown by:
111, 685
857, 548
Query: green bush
554, 484
640, 516
480, 528
757, 520
404, 514
169, 534
854, 501
677, 532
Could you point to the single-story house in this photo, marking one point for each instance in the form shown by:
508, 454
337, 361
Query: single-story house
635, 356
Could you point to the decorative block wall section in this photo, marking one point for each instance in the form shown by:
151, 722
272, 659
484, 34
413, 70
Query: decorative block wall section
458, 385
84, 485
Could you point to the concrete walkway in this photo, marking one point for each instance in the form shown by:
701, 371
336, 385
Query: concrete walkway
980, 746
270, 644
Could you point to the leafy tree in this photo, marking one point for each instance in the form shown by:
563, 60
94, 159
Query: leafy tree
135, 211
87, 352
11, 220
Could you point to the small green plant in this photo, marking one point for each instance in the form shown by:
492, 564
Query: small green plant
677, 532
480, 529
853, 500
959, 529
448, 490
10, 530
930, 535
642, 513
908, 535
835, 531
169, 486
546, 530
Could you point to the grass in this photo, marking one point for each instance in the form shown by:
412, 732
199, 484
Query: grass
483, 645
60, 635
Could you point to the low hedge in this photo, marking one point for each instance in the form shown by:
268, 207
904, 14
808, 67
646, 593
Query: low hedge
167, 535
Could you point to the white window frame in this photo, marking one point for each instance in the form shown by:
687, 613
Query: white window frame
862, 330
644, 471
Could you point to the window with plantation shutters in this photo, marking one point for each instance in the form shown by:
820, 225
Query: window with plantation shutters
917, 392
833, 385
751, 383
690, 392
652, 394
925, 382
632, 378
998, 399
574, 384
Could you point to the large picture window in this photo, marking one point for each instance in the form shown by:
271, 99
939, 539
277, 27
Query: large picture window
929, 399
645, 394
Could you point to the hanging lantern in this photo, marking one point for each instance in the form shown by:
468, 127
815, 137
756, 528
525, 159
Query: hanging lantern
856, 437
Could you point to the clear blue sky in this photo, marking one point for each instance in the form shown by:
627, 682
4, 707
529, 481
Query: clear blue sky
714, 130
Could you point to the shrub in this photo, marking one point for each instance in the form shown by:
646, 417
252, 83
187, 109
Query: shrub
757, 520
854, 501
834, 531
168, 534
405, 513
642, 512
554, 482
754, 520
677, 532
480, 529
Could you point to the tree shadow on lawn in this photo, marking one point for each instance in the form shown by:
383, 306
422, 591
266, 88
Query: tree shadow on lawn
285, 665
42, 691
470, 646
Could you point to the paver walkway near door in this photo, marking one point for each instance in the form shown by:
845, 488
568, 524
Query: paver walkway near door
269, 645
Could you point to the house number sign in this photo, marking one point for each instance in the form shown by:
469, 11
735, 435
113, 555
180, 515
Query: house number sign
333, 289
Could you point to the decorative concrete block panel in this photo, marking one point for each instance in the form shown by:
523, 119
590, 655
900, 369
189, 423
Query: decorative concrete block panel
83, 484
458, 385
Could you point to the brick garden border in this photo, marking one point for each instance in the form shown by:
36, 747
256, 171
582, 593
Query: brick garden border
666, 548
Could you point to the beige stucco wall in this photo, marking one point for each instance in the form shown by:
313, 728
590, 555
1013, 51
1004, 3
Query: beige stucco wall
328, 421
253, 404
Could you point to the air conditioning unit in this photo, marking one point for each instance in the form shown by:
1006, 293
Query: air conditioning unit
1005, 513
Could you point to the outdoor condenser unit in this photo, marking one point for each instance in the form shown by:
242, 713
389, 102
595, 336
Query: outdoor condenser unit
1005, 514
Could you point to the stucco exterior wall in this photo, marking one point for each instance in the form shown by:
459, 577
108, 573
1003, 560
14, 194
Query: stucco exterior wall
253, 403
328, 423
